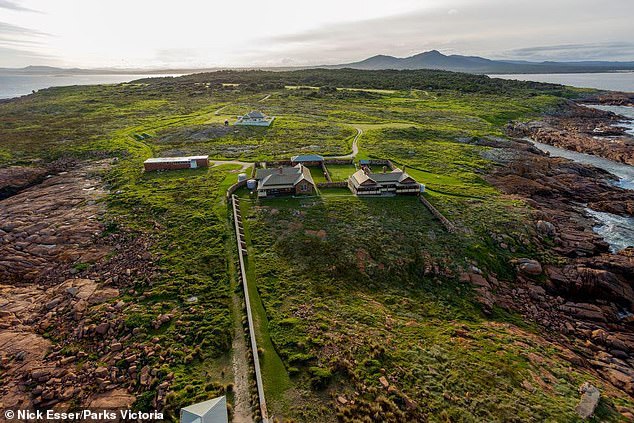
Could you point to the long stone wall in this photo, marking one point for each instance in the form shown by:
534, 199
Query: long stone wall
446, 222
233, 188
343, 184
242, 251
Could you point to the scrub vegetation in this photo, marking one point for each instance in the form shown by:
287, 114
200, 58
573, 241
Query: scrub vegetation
360, 312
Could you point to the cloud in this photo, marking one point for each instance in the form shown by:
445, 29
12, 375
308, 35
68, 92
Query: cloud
15, 57
10, 5
7, 28
21, 46
591, 51
486, 28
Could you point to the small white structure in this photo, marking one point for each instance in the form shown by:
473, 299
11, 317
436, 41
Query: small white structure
255, 118
252, 184
242, 177
212, 411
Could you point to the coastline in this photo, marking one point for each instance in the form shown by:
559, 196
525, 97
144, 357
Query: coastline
575, 127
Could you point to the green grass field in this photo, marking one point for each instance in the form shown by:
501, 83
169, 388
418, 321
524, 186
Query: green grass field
340, 173
345, 290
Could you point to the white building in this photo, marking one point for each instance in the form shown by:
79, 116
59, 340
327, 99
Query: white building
212, 411
255, 118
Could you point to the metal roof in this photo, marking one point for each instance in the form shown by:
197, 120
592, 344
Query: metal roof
284, 176
396, 176
175, 159
212, 411
307, 158
254, 114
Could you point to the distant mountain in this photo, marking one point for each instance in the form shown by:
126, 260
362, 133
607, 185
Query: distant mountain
428, 60
474, 64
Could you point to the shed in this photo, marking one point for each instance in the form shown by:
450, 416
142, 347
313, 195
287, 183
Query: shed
307, 160
172, 163
212, 411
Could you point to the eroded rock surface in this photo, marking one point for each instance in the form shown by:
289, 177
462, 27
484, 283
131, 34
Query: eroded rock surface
49, 225
580, 129
62, 326
585, 297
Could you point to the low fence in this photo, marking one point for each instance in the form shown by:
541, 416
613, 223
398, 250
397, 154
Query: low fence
343, 184
446, 223
233, 188
326, 173
242, 251
328, 161
276, 163
381, 162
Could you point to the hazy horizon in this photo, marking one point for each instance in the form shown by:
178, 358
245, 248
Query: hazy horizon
147, 35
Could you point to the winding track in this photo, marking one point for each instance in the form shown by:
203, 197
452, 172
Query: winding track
355, 147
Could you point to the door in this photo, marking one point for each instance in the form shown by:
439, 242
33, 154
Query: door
193, 164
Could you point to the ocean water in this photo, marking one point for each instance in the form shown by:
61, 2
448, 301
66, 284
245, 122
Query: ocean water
614, 81
618, 231
626, 111
19, 85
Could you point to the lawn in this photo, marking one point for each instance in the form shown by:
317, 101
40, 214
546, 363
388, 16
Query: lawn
339, 172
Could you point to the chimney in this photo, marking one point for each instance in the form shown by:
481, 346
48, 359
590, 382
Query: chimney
384, 169
281, 170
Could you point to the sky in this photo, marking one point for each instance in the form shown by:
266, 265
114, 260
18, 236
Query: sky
207, 33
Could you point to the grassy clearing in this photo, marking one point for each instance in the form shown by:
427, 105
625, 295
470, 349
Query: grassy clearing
340, 173
359, 289
187, 208
346, 290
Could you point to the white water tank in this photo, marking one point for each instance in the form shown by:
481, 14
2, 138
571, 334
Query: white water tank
242, 177
252, 183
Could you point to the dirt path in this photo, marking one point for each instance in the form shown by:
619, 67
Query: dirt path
244, 165
355, 147
240, 363
217, 112
265, 98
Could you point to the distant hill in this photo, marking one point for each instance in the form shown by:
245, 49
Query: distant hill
474, 64
433, 60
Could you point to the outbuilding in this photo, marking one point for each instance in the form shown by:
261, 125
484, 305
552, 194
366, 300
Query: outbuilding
307, 160
255, 118
173, 163
212, 411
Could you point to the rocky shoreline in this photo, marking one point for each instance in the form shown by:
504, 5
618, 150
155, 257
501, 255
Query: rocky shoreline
581, 294
582, 129
50, 303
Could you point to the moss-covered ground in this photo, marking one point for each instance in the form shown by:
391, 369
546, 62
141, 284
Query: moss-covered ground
346, 290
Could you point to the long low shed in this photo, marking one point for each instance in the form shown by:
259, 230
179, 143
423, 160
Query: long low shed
173, 163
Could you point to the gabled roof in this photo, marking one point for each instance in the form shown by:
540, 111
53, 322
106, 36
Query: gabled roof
204, 407
283, 177
396, 176
307, 158
254, 115
360, 177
